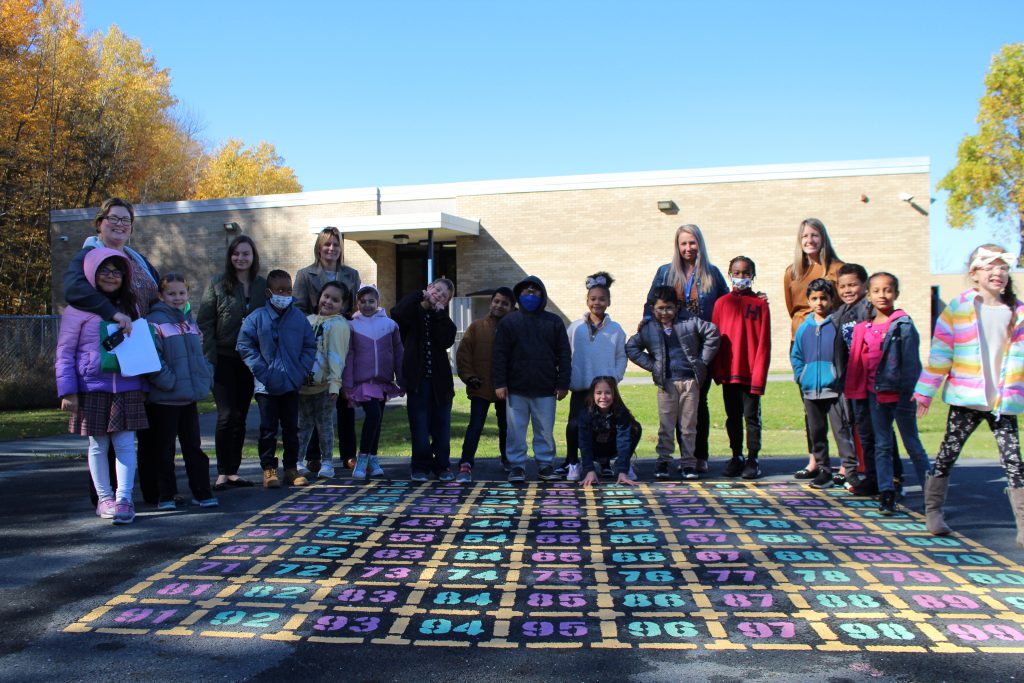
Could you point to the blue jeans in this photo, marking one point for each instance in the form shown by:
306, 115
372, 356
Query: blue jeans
478, 408
522, 410
430, 424
904, 413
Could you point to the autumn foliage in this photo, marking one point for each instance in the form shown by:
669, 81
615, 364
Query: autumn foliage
84, 117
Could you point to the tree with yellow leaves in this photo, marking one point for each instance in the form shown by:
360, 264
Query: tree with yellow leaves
236, 171
989, 173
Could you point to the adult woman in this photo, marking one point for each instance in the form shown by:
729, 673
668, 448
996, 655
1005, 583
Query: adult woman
114, 223
698, 284
230, 296
327, 267
814, 258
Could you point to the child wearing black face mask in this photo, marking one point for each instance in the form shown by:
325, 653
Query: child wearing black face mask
741, 366
531, 370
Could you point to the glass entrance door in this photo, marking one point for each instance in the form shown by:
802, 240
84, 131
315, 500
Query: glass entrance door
411, 265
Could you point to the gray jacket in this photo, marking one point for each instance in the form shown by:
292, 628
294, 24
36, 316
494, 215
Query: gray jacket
311, 279
698, 339
185, 376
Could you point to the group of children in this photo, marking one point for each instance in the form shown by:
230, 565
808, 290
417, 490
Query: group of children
855, 358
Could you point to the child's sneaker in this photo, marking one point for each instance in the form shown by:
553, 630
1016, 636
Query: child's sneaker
734, 468
445, 475
210, 502
166, 505
606, 471
419, 476
293, 478
562, 469
661, 470
839, 480
105, 508
505, 464
690, 473
270, 480
887, 503
465, 475
375, 469
517, 474
311, 470
124, 512
326, 471
702, 467
572, 472
547, 473
824, 479
751, 470
362, 462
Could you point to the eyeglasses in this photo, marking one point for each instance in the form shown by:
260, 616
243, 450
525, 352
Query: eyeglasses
110, 272
118, 220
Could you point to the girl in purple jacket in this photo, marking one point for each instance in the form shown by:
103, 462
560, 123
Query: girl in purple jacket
372, 374
105, 406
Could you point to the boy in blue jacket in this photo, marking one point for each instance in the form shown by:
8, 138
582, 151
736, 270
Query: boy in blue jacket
818, 357
277, 344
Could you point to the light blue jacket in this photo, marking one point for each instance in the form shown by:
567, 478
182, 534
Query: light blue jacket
278, 348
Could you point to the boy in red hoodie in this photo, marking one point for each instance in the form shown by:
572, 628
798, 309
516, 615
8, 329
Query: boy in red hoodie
741, 366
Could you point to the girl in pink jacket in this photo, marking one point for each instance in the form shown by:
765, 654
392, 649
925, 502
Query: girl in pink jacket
105, 406
372, 374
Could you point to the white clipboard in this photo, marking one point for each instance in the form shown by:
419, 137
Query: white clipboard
137, 353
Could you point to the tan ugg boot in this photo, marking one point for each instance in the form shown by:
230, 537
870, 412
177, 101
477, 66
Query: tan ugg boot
934, 498
1017, 503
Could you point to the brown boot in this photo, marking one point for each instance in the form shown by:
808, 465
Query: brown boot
293, 478
1017, 503
934, 499
270, 480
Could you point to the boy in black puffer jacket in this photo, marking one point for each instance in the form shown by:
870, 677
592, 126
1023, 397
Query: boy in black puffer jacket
531, 370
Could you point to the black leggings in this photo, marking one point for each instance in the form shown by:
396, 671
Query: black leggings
961, 423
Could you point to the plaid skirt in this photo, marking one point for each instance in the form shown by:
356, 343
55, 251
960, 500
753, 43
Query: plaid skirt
102, 413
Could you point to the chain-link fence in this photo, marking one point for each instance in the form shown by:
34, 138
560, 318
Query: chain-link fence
27, 345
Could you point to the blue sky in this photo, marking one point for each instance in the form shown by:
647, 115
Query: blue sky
356, 94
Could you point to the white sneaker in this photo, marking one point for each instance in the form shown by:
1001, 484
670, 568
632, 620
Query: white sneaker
326, 471
573, 473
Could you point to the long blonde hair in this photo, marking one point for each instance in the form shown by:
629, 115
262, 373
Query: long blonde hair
701, 267
827, 255
325, 235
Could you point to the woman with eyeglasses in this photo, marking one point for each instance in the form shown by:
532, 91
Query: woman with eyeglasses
327, 267
114, 225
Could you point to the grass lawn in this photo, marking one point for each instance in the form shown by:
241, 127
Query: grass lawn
781, 410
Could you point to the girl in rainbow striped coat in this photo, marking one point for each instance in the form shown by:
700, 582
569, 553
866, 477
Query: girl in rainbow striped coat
978, 348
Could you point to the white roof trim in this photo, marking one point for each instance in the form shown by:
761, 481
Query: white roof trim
266, 201
596, 181
700, 176
397, 223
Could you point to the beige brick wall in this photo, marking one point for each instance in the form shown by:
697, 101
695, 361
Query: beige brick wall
563, 236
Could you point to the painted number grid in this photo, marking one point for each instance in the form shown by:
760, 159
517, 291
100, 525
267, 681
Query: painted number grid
721, 566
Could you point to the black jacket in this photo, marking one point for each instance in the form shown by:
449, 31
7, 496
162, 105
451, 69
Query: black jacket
698, 339
410, 317
531, 350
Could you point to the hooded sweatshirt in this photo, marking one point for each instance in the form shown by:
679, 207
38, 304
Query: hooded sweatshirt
531, 349
185, 376
78, 344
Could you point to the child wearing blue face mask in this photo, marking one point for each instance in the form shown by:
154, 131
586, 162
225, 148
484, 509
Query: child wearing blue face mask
741, 366
277, 344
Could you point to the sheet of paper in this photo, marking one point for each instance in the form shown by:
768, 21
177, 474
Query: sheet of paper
137, 353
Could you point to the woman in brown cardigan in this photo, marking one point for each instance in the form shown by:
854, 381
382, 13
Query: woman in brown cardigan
814, 258
473, 360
